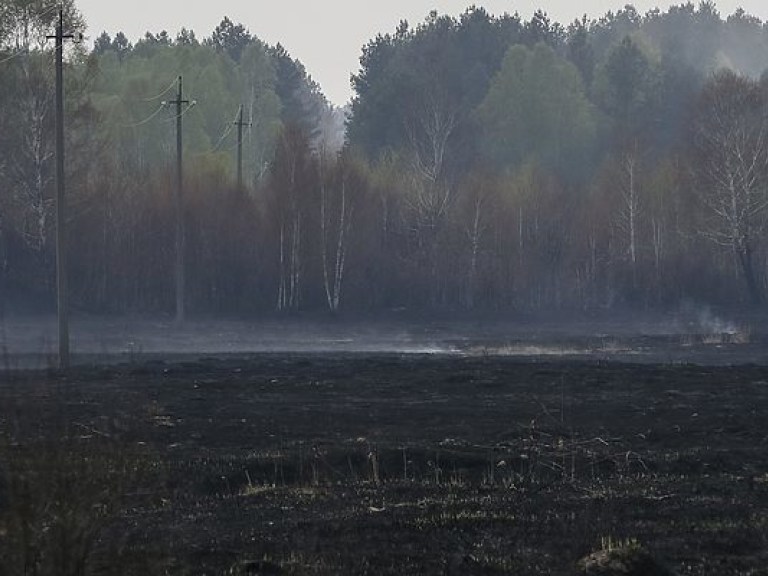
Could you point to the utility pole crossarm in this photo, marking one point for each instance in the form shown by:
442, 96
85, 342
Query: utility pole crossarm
62, 299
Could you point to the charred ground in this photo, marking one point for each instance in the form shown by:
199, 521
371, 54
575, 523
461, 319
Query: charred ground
378, 464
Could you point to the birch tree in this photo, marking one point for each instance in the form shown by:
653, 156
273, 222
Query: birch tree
431, 190
31, 164
290, 187
627, 177
731, 166
342, 188
429, 132
28, 112
24, 25
474, 214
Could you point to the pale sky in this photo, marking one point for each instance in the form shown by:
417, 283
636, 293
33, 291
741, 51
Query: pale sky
327, 36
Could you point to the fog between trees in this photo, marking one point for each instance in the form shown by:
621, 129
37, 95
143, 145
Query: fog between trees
489, 163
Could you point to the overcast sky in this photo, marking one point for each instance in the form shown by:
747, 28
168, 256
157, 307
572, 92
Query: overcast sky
327, 36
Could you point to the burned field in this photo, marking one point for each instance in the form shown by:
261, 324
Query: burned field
366, 464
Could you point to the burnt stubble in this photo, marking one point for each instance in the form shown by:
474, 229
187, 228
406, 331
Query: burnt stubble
392, 464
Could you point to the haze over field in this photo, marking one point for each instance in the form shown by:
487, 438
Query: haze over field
328, 36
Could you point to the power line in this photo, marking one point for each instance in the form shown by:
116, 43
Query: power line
14, 55
163, 93
227, 131
146, 120
45, 13
24, 51
179, 115
160, 108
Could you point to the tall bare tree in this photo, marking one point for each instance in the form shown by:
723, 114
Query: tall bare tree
341, 191
731, 165
429, 134
480, 194
431, 191
628, 183
290, 188
31, 165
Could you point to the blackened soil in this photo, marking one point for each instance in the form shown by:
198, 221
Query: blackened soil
334, 464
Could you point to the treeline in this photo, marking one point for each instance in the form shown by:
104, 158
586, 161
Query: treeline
490, 163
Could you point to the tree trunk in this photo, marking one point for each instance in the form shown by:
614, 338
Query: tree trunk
334, 263
746, 262
474, 245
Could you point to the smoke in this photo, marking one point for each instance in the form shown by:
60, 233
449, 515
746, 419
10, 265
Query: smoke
710, 323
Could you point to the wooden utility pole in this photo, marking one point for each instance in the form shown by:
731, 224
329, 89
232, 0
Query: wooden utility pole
179, 207
62, 299
240, 125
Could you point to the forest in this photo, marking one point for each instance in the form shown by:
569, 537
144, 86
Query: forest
485, 164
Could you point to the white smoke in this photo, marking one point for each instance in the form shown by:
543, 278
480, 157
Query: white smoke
710, 323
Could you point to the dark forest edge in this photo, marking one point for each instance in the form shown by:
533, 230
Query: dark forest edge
489, 164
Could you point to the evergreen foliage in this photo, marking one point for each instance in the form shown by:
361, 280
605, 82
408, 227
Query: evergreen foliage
489, 163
